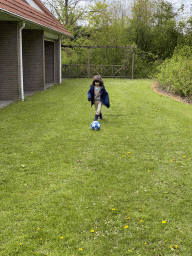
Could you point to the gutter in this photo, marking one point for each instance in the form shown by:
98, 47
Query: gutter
21, 60
33, 22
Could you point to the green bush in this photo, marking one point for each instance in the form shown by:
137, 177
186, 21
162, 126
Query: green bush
144, 64
175, 74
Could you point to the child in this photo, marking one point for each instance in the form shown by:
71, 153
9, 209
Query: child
98, 96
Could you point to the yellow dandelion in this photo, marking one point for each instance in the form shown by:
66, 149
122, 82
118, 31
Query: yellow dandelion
113, 209
126, 227
20, 244
92, 230
141, 221
123, 156
149, 171
163, 221
128, 218
184, 156
61, 237
38, 228
80, 249
145, 243
171, 247
176, 246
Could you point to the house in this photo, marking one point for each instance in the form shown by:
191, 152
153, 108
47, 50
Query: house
30, 48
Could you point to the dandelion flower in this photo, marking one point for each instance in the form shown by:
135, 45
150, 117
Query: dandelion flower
61, 237
20, 244
141, 221
171, 247
145, 243
176, 246
163, 221
128, 218
184, 156
113, 209
80, 249
149, 171
92, 230
126, 227
38, 228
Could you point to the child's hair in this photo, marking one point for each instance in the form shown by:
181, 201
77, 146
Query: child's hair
99, 79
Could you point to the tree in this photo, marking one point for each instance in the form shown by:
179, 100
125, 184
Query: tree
141, 22
154, 27
164, 32
69, 12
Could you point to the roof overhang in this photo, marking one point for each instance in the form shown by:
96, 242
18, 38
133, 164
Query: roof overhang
49, 32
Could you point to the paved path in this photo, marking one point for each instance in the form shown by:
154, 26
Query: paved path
4, 103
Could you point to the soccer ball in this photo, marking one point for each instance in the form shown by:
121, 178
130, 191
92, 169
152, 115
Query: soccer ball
95, 125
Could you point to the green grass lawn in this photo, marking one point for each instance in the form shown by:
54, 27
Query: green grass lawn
124, 190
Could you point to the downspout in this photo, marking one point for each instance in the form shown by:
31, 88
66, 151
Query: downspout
21, 60
60, 58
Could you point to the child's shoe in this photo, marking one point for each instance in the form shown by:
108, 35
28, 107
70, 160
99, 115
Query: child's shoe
100, 116
96, 117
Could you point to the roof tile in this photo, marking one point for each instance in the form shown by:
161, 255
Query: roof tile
25, 11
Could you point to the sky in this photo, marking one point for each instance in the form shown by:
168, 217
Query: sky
187, 7
178, 3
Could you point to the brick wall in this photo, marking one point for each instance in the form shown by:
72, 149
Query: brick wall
36, 69
9, 61
33, 60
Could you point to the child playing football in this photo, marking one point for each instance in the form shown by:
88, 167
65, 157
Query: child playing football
98, 96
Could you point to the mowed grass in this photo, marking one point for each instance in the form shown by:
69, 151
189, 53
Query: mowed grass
123, 190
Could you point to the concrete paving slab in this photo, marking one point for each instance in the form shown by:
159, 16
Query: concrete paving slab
4, 103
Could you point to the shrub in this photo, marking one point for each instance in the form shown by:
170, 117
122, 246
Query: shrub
144, 64
175, 74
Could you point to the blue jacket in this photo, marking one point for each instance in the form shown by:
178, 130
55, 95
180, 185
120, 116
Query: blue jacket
103, 96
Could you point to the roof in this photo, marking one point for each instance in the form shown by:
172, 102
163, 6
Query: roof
26, 11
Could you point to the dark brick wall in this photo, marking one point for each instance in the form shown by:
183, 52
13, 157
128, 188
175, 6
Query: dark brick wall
49, 62
41, 61
33, 60
9, 61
